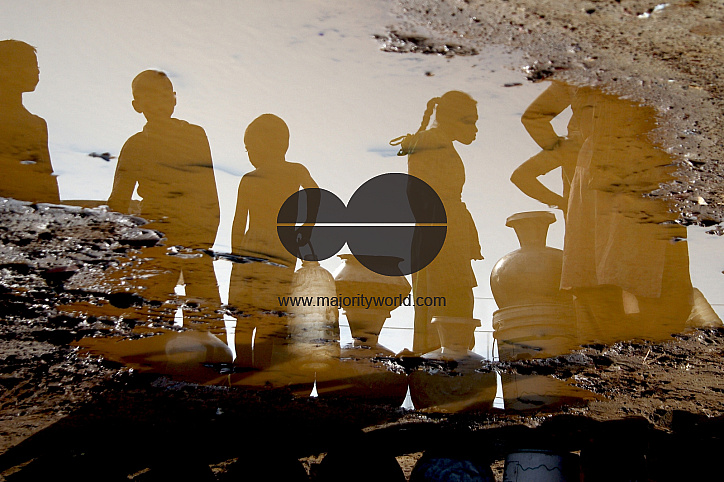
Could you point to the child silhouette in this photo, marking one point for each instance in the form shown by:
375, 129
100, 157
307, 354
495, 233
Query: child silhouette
170, 162
432, 157
27, 172
257, 285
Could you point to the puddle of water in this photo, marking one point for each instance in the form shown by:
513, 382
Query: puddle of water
337, 100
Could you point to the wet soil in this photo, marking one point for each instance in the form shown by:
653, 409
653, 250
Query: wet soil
62, 410
58, 408
52, 256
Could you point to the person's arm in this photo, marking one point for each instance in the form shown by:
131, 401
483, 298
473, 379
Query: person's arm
241, 217
124, 180
51, 183
525, 177
313, 196
538, 116
207, 189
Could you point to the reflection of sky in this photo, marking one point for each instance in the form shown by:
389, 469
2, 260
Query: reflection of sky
316, 65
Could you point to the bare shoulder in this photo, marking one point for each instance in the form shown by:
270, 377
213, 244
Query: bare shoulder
190, 129
197, 130
30, 123
38, 122
297, 168
300, 173
135, 143
247, 180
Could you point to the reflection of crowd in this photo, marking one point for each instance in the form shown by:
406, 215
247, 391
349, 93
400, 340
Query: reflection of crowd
626, 275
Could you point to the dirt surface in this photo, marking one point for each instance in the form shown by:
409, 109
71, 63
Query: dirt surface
59, 408
668, 57
59, 264
52, 256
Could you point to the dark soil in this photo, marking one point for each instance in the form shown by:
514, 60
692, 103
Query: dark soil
65, 412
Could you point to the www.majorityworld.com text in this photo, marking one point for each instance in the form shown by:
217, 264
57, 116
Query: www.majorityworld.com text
362, 301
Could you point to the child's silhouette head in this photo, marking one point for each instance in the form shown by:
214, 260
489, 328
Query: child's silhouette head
153, 95
266, 140
18, 66
457, 113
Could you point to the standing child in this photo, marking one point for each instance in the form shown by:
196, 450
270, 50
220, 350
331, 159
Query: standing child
27, 173
169, 163
257, 285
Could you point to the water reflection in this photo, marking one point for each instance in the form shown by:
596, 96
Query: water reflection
535, 318
169, 165
301, 347
187, 355
27, 173
622, 273
624, 261
556, 151
432, 157
621, 257
257, 285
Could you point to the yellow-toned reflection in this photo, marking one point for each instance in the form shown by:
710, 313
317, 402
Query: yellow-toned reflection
257, 285
621, 258
625, 259
25, 167
623, 271
432, 157
169, 165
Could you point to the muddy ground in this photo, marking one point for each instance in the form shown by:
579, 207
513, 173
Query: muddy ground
661, 405
63, 411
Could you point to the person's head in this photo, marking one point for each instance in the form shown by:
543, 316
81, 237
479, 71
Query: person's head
18, 66
153, 95
266, 139
456, 113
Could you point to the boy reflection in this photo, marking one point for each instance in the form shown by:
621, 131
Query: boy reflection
27, 172
433, 158
257, 285
170, 162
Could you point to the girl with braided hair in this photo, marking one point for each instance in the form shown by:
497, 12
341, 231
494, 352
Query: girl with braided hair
432, 157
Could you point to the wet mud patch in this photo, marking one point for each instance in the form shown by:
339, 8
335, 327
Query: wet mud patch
63, 410
401, 42
294, 436
52, 256
657, 380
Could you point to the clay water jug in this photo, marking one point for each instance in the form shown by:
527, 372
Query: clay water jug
535, 318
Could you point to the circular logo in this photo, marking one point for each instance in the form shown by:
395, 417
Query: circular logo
394, 224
